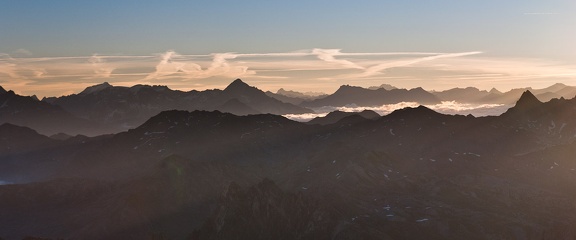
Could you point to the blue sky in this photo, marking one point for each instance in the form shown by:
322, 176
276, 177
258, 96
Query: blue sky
503, 35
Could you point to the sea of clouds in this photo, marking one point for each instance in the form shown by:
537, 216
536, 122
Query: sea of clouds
446, 107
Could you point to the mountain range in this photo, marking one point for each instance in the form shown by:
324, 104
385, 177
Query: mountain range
388, 94
474, 95
104, 109
347, 95
411, 174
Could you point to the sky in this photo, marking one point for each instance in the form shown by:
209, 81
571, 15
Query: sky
53, 48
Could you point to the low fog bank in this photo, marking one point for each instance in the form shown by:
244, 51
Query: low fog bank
446, 107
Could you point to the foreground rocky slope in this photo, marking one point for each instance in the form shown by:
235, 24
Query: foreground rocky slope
412, 174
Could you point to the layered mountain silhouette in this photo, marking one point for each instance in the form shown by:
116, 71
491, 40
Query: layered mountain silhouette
384, 86
335, 116
16, 139
388, 94
474, 95
121, 108
525, 104
257, 99
411, 174
294, 97
41, 116
347, 95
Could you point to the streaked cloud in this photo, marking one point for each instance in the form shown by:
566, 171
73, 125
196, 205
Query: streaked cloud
101, 69
541, 13
378, 68
329, 55
305, 70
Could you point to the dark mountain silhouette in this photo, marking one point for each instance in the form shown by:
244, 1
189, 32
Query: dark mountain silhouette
61, 136
265, 211
15, 139
348, 95
527, 102
258, 100
236, 107
2, 91
96, 88
336, 116
474, 95
412, 174
290, 93
41, 116
121, 108
469, 94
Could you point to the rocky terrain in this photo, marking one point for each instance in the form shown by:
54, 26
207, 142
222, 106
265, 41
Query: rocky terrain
412, 174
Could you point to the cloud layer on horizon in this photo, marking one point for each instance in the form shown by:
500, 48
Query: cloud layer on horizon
445, 107
314, 69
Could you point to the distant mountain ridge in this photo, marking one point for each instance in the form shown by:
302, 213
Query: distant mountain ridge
388, 94
294, 97
121, 108
474, 95
335, 116
347, 95
104, 108
42, 116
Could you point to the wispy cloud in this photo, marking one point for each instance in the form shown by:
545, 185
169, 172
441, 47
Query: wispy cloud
329, 55
22, 52
101, 69
308, 70
541, 13
377, 69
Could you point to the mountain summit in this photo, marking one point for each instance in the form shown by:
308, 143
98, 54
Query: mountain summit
527, 104
527, 101
96, 88
238, 84
346, 95
257, 99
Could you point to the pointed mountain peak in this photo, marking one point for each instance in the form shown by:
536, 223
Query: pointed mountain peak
494, 91
527, 103
96, 88
280, 91
2, 90
527, 100
237, 84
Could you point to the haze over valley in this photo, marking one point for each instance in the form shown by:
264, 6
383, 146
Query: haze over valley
201, 120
